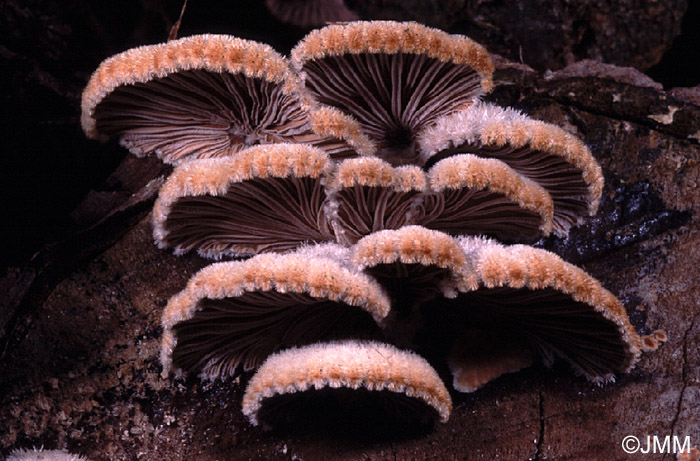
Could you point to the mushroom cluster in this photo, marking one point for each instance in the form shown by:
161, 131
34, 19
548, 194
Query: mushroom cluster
359, 191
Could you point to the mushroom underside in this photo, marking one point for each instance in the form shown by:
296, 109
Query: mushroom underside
245, 330
260, 215
548, 322
565, 183
409, 284
392, 96
360, 411
471, 211
200, 114
362, 210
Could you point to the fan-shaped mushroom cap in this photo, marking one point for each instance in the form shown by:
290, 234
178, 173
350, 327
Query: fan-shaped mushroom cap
266, 198
394, 78
239, 312
310, 13
332, 125
485, 196
198, 97
409, 245
378, 368
460, 195
367, 195
544, 153
518, 298
414, 265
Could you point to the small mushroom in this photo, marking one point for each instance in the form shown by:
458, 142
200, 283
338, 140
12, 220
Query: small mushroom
394, 79
486, 197
368, 195
39, 454
692, 454
237, 313
414, 265
199, 97
409, 261
654, 340
266, 198
517, 303
544, 153
376, 381
310, 13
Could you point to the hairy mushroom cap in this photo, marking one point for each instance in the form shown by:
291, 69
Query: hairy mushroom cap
310, 13
336, 131
198, 97
414, 265
237, 313
460, 195
409, 245
527, 299
340, 366
40, 454
266, 198
394, 78
485, 196
367, 195
410, 262
542, 152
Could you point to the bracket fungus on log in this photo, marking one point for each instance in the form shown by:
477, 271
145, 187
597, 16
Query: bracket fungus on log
239, 312
394, 380
199, 97
518, 302
541, 152
393, 78
266, 198
485, 196
414, 265
380, 176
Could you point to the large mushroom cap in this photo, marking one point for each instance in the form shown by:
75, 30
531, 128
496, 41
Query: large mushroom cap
237, 313
198, 97
310, 13
544, 153
519, 302
394, 78
486, 197
349, 372
266, 198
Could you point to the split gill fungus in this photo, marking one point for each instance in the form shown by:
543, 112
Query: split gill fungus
371, 209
